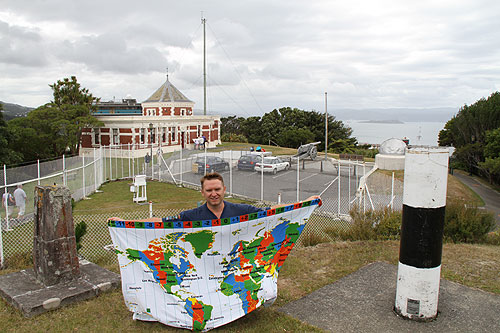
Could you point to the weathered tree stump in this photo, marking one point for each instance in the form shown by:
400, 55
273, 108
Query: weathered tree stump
54, 247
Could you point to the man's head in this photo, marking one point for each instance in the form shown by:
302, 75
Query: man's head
212, 188
19, 186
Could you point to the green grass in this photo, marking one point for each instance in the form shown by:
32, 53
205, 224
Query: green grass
308, 268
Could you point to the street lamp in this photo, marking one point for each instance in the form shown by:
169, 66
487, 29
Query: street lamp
151, 146
151, 137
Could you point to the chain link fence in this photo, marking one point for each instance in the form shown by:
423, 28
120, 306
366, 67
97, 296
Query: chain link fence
343, 185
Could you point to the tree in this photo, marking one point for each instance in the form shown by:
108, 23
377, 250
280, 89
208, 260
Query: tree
41, 134
491, 164
7, 155
76, 105
55, 128
293, 138
231, 125
291, 127
467, 131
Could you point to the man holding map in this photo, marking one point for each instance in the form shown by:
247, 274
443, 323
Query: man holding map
210, 265
213, 189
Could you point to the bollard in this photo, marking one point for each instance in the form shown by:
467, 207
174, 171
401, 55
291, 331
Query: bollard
424, 202
54, 246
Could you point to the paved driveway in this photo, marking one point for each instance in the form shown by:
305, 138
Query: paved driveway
490, 196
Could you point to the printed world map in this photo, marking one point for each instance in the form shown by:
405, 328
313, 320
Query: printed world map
203, 274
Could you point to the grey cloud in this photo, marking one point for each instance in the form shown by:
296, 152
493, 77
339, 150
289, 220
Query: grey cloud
112, 53
21, 46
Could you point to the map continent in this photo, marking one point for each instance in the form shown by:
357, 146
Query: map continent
200, 275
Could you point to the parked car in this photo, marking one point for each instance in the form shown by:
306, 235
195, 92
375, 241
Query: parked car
247, 162
211, 164
272, 164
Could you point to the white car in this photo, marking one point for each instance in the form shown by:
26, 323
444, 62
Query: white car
272, 164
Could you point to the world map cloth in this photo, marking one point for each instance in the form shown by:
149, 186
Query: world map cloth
200, 275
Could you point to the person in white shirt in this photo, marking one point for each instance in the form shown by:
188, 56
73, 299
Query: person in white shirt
8, 203
20, 198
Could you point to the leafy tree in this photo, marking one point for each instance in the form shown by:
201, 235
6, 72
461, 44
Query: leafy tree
55, 128
491, 165
293, 138
7, 155
76, 105
291, 127
231, 125
467, 132
251, 129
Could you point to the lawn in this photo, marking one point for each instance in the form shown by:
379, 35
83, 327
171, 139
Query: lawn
307, 269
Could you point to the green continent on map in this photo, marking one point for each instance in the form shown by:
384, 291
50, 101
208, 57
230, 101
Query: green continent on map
157, 257
200, 241
170, 264
251, 261
199, 311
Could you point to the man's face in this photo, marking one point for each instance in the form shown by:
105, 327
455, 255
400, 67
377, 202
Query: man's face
213, 192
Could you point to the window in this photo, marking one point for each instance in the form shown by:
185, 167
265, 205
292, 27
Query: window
164, 134
142, 135
173, 134
183, 112
115, 136
97, 135
153, 135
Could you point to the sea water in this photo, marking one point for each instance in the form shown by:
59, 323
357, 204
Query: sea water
419, 133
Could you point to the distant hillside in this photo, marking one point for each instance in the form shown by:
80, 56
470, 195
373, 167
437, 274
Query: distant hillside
11, 111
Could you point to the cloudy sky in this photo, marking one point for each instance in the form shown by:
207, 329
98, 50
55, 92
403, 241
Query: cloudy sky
261, 55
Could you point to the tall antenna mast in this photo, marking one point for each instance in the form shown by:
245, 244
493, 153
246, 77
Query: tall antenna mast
326, 127
203, 21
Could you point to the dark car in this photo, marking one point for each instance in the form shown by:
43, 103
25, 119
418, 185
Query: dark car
213, 163
247, 162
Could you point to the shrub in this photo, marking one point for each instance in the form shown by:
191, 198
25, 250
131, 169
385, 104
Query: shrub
80, 230
466, 224
370, 225
462, 224
493, 238
231, 137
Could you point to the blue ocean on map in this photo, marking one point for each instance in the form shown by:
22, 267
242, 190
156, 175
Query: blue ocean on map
419, 133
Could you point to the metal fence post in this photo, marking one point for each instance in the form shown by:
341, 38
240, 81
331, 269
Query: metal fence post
64, 170
338, 196
110, 164
83, 173
6, 203
230, 172
121, 157
38, 170
181, 165
6, 218
95, 172
262, 177
128, 155
298, 179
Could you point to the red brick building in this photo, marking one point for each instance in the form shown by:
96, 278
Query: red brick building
164, 120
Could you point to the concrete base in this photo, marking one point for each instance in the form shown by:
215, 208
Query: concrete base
24, 292
364, 301
390, 162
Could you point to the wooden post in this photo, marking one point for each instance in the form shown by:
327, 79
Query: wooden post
54, 246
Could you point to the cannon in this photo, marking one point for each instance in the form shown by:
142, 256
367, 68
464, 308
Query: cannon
307, 150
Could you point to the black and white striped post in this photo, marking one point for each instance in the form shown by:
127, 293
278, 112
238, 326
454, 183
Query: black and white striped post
424, 202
